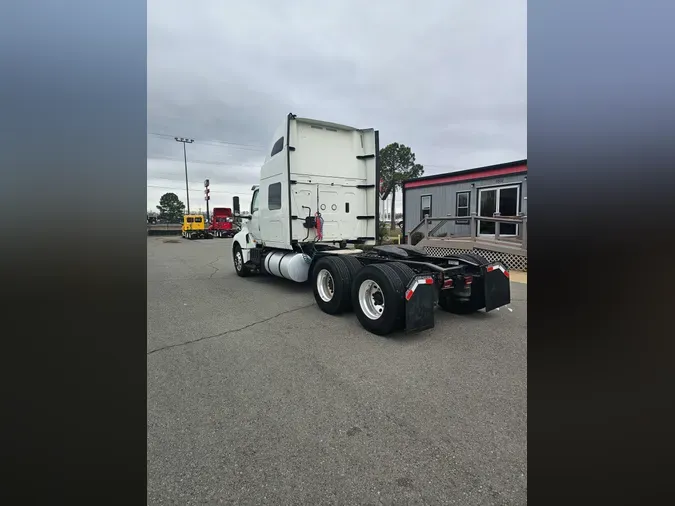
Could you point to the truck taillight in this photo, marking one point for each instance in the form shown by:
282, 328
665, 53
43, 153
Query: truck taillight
447, 283
468, 280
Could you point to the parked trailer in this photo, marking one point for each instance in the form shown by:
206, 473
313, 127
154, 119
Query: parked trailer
193, 227
318, 189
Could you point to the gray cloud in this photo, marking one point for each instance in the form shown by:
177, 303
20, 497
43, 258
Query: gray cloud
447, 78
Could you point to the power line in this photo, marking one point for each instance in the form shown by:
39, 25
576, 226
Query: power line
251, 147
206, 162
191, 189
215, 142
172, 178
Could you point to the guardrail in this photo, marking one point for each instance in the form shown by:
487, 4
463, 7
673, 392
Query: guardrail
164, 228
511, 242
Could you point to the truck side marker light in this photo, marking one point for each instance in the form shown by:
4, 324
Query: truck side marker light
419, 281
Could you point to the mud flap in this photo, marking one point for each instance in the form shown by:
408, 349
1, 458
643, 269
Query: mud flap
497, 286
419, 306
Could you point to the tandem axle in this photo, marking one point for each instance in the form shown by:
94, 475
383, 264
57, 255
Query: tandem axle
389, 288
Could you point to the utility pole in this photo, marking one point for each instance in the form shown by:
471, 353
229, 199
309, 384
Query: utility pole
187, 189
207, 197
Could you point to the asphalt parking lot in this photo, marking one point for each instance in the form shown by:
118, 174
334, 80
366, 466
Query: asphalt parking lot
257, 397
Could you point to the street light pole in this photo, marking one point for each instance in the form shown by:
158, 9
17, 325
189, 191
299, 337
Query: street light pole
187, 189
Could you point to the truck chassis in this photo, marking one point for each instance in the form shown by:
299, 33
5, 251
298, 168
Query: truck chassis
223, 234
390, 288
196, 234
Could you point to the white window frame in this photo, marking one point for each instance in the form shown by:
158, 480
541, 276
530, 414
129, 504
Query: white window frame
498, 189
422, 208
468, 207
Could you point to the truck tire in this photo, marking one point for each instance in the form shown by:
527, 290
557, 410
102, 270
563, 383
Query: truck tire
331, 283
238, 259
475, 303
405, 273
447, 303
473, 257
378, 298
353, 264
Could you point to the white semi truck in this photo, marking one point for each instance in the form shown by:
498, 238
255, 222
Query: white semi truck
318, 193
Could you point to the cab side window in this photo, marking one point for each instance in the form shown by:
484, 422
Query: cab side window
278, 146
254, 202
274, 196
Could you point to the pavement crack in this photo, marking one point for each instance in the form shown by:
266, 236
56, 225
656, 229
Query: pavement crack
215, 269
221, 334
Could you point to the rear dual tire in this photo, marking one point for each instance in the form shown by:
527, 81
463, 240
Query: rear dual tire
376, 293
331, 282
476, 300
473, 257
451, 305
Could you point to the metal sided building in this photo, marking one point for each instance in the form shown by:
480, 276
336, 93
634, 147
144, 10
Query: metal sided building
487, 190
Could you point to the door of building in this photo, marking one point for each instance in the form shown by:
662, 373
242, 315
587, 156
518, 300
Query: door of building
504, 200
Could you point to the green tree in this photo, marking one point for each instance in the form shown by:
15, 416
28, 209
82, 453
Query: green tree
397, 163
170, 208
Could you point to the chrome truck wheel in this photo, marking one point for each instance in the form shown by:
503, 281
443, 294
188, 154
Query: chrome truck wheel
331, 283
325, 285
378, 296
371, 299
238, 258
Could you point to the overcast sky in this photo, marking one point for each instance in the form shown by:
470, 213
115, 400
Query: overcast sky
445, 77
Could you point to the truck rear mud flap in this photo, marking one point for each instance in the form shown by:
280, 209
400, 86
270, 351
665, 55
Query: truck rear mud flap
497, 286
420, 299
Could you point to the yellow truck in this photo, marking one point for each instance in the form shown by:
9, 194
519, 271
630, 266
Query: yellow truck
194, 227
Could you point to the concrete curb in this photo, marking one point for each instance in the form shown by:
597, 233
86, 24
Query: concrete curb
518, 277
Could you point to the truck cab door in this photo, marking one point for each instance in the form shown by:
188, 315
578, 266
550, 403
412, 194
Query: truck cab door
254, 222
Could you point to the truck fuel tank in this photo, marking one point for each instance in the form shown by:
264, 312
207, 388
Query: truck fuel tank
288, 265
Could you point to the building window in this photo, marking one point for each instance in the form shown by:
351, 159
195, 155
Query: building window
462, 203
278, 146
426, 206
274, 196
